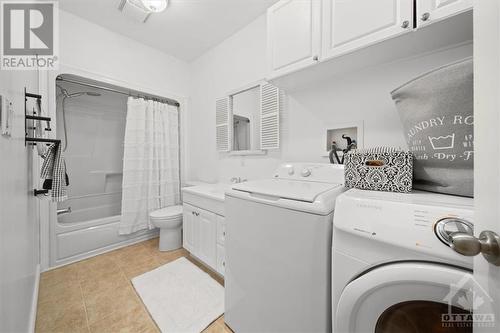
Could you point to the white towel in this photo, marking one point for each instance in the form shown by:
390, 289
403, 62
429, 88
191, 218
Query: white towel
54, 168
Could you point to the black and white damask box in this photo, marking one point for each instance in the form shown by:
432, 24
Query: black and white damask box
379, 169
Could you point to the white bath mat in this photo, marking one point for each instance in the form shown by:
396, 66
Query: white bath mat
180, 296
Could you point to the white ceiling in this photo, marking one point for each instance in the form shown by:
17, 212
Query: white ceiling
186, 29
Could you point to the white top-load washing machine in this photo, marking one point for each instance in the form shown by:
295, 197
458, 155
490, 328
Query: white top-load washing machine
278, 250
392, 268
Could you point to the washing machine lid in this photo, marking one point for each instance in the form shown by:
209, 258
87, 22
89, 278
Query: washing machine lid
305, 191
368, 300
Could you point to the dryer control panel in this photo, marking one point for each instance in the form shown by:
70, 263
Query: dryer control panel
420, 221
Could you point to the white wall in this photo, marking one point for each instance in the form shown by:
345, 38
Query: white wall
359, 96
19, 232
89, 50
90, 47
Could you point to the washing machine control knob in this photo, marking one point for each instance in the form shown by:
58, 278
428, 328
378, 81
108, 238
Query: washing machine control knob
445, 227
306, 172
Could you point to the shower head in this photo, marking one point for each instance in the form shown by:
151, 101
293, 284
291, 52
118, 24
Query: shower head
77, 94
81, 93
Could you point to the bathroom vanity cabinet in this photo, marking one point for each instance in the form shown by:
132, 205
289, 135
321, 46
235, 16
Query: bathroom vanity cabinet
204, 226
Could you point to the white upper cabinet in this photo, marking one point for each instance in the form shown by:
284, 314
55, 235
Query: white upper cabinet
316, 33
429, 11
352, 24
293, 35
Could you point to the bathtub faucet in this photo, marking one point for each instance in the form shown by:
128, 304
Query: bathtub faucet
64, 211
236, 180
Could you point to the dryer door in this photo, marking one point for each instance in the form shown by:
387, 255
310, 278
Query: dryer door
407, 297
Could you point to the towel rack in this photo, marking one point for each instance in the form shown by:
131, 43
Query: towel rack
29, 131
38, 192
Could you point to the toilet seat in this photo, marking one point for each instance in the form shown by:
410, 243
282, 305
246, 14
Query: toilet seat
167, 213
169, 221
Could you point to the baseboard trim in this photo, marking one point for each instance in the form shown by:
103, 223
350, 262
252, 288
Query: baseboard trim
34, 302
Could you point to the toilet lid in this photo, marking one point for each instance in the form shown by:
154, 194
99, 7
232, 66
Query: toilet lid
171, 211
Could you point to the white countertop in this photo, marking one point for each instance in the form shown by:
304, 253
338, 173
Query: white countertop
211, 191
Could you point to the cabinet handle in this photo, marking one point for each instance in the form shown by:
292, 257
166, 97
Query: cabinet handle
224, 263
223, 233
315, 58
425, 16
405, 24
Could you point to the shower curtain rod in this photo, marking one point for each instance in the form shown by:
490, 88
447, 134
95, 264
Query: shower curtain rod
123, 92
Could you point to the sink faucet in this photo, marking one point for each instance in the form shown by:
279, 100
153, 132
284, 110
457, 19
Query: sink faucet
236, 180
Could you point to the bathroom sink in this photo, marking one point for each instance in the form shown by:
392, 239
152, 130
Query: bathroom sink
212, 191
210, 196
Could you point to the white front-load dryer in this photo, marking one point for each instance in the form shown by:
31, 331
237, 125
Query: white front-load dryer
278, 250
392, 268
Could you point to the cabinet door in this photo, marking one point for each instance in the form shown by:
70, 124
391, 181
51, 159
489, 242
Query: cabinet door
189, 229
221, 259
429, 11
293, 35
221, 229
207, 250
352, 24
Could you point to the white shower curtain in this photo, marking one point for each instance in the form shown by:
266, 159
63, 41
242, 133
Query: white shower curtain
150, 162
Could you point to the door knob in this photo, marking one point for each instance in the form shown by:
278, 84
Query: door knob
488, 244
405, 24
425, 16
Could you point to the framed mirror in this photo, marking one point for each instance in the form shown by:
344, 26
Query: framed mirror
247, 120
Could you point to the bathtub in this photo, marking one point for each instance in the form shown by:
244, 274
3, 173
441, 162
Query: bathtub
90, 229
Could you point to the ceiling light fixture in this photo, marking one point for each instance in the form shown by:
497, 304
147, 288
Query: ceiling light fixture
155, 6
141, 10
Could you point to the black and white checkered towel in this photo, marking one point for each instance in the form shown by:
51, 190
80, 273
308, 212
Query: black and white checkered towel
54, 173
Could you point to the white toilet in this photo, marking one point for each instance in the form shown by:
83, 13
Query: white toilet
169, 221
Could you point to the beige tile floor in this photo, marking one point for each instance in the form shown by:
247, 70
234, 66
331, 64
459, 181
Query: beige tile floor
96, 295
